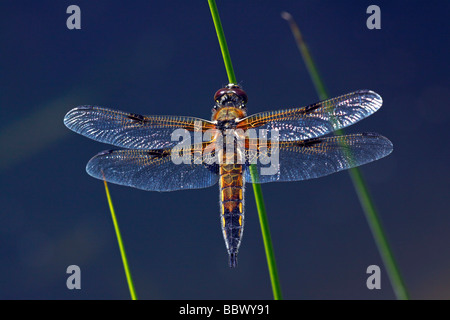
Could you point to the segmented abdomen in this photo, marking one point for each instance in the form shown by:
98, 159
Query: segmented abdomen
232, 208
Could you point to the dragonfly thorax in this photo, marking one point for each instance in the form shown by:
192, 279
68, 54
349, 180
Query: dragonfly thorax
228, 115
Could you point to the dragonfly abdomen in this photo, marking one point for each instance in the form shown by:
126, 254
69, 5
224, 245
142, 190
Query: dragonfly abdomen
232, 208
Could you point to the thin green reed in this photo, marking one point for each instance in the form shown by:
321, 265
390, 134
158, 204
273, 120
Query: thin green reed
356, 175
121, 246
271, 263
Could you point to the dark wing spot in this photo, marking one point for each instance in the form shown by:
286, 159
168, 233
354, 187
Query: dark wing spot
309, 143
136, 117
312, 107
158, 153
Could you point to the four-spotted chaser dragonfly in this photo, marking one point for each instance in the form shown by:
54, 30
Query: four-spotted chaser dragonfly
146, 162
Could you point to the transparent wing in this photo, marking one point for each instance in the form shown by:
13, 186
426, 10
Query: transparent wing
317, 119
302, 160
129, 130
151, 170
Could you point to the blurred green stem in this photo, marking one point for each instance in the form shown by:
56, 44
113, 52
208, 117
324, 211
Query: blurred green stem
356, 176
271, 263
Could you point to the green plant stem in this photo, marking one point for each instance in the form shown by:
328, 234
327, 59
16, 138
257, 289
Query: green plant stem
222, 41
379, 234
265, 230
271, 262
356, 176
121, 246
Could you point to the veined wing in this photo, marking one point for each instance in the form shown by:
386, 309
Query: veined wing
302, 160
317, 119
151, 170
129, 130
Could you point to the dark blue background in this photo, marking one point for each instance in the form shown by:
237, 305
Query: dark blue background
162, 57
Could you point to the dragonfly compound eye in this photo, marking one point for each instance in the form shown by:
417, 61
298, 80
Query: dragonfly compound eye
219, 93
231, 90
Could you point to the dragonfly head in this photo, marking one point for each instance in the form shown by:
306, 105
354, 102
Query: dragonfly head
230, 96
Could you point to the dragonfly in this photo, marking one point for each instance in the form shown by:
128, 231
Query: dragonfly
301, 145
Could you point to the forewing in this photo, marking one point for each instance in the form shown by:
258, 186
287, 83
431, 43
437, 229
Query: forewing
314, 158
317, 119
132, 131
